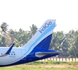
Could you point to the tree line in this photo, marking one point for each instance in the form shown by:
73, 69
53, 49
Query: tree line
67, 43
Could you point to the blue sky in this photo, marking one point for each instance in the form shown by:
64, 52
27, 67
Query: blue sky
23, 13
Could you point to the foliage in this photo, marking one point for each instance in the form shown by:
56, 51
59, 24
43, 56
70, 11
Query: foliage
67, 43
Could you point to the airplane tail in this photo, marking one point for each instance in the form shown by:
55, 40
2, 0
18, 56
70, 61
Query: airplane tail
43, 36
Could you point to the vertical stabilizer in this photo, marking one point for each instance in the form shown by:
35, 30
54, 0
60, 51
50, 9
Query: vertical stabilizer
42, 37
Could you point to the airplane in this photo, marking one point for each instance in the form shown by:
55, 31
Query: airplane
36, 48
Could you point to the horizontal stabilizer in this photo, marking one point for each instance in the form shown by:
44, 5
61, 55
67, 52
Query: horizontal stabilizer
41, 54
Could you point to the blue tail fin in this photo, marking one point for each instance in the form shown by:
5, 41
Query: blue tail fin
44, 44
42, 38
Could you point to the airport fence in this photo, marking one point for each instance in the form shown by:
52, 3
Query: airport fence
62, 59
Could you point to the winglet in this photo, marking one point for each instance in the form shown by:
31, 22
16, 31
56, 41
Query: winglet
9, 50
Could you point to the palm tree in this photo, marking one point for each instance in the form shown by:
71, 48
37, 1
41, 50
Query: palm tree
4, 26
33, 29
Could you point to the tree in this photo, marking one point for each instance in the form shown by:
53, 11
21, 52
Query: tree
2, 41
57, 40
4, 26
33, 29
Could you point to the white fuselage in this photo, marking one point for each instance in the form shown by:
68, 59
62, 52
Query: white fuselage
15, 55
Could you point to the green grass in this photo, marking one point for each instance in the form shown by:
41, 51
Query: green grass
39, 69
51, 62
41, 65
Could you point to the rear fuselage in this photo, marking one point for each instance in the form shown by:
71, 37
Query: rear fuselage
35, 49
19, 56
